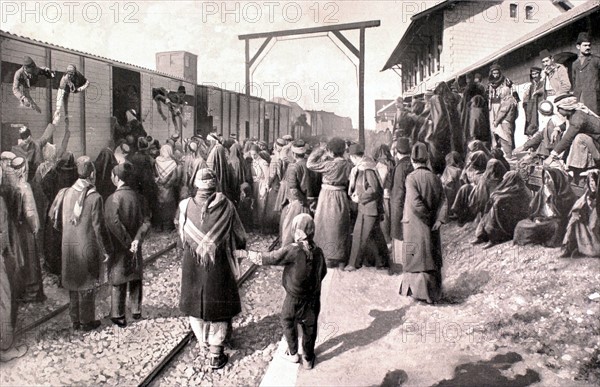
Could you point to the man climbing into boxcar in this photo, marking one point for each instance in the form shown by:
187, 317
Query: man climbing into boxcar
27, 77
72, 82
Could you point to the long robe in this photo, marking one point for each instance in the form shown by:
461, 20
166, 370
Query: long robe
167, 176
209, 290
478, 126
332, 216
397, 196
451, 176
507, 205
549, 211
422, 253
583, 229
478, 199
260, 183
470, 177
8, 293
217, 161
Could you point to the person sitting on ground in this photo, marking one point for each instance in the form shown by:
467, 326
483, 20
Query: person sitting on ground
470, 178
549, 210
507, 205
304, 271
583, 231
451, 176
478, 200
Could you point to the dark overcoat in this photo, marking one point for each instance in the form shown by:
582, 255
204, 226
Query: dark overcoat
397, 196
85, 243
425, 204
127, 219
586, 85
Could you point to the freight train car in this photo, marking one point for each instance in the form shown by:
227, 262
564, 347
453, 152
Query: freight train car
114, 87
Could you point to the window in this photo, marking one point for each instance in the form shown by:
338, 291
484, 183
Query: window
513, 11
186, 60
529, 12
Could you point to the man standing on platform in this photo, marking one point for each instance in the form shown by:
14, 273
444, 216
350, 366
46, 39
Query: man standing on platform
85, 243
128, 221
585, 73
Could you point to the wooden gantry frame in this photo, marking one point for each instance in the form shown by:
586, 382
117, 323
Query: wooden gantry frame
336, 30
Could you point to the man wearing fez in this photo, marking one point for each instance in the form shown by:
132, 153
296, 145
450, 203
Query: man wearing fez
555, 77
425, 210
79, 211
25, 78
128, 221
72, 82
210, 232
585, 73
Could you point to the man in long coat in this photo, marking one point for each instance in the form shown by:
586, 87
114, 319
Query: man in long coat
128, 221
210, 231
85, 243
398, 193
424, 212
586, 85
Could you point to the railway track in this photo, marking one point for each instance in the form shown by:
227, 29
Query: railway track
168, 359
63, 308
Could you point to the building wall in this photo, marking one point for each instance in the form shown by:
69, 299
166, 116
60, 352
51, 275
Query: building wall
473, 30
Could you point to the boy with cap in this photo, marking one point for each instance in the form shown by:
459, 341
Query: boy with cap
27, 77
79, 212
128, 221
585, 73
72, 82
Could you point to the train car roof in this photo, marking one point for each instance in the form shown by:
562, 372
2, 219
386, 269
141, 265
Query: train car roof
8, 35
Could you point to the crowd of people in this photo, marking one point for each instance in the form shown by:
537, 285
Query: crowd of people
332, 204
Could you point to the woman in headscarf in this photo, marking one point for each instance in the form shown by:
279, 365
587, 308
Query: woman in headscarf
210, 231
105, 162
498, 154
451, 176
549, 211
479, 121
474, 146
191, 162
260, 187
240, 171
24, 212
167, 176
446, 133
469, 179
494, 172
385, 166
507, 205
304, 271
583, 230
332, 216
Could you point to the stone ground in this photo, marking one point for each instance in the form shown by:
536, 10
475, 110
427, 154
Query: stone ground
510, 316
59, 356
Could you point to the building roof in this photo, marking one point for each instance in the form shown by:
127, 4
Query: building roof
7, 34
553, 25
416, 23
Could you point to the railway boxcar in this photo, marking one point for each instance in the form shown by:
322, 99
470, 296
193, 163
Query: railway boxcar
114, 87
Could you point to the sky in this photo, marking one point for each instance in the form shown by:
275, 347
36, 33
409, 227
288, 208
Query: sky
313, 72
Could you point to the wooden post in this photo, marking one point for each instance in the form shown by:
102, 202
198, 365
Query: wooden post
361, 89
247, 67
